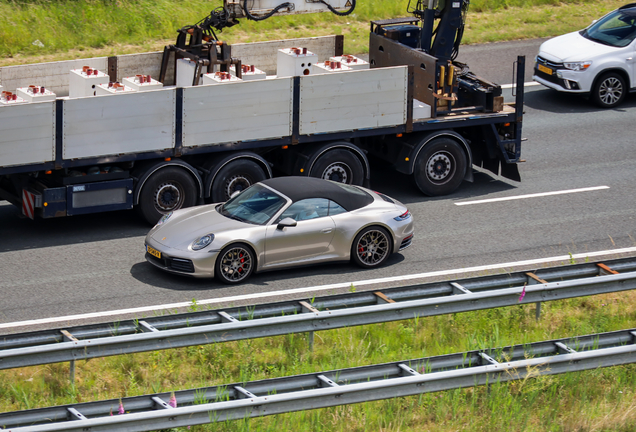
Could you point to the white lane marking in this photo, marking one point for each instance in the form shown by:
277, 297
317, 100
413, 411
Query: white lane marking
506, 266
542, 194
525, 84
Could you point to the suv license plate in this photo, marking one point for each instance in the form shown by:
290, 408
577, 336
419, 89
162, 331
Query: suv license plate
544, 69
153, 252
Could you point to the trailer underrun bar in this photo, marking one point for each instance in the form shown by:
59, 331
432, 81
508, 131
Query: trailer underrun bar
320, 313
332, 388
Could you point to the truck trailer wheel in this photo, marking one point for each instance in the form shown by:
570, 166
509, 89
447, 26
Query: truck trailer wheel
236, 176
166, 190
440, 167
340, 166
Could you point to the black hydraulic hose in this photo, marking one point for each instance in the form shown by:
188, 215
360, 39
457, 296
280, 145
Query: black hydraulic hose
345, 13
276, 9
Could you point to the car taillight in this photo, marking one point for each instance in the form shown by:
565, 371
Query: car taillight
403, 216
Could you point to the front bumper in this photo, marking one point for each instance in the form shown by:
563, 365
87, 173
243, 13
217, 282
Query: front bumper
554, 76
198, 264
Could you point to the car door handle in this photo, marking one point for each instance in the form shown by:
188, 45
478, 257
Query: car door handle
629, 59
326, 230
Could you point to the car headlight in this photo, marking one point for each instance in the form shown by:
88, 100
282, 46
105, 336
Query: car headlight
164, 219
577, 66
202, 242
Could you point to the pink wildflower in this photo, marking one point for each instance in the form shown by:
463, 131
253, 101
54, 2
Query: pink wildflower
523, 293
111, 411
121, 408
173, 401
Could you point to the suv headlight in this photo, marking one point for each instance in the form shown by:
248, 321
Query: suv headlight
577, 66
202, 242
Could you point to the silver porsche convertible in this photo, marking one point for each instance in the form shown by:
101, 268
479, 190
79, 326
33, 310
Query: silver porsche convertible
279, 223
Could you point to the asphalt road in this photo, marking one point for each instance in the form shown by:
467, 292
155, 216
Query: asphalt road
96, 263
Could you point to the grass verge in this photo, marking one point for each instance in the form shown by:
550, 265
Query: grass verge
603, 399
44, 30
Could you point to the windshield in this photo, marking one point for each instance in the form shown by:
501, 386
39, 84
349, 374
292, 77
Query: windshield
256, 205
617, 29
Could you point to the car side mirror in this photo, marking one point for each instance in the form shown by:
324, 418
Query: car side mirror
287, 222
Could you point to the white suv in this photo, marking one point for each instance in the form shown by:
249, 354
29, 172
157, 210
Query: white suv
599, 60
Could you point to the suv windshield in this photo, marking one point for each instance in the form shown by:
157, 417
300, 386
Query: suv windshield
256, 205
617, 29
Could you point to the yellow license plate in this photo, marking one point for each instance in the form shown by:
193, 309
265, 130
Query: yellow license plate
544, 69
153, 252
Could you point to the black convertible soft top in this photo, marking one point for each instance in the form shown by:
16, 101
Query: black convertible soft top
299, 188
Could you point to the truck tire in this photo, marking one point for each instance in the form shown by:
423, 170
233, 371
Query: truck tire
440, 167
339, 165
166, 190
236, 176
609, 90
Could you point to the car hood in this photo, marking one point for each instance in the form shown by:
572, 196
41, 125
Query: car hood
571, 47
187, 225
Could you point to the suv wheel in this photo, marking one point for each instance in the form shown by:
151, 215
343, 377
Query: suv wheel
610, 90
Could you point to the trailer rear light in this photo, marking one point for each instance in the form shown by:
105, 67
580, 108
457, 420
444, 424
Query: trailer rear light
404, 216
399, 135
168, 159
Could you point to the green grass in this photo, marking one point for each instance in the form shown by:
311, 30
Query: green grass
47, 30
603, 399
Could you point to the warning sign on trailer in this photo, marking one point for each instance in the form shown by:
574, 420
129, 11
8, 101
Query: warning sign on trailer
28, 204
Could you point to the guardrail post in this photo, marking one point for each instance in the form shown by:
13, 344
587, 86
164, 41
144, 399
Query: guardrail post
533, 279
307, 308
69, 337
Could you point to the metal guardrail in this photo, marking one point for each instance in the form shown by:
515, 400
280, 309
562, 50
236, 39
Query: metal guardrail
332, 388
320, 313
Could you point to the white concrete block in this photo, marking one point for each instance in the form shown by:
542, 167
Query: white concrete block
112, 88
351, 62
219, 78
9, 98
295, 62
36, 94
185, 72
249, 72
82, 82
330, 67
142, 83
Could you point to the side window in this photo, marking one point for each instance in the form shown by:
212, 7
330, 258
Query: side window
335, 208
310, 208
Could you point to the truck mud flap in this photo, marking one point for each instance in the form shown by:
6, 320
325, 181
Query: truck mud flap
510, 171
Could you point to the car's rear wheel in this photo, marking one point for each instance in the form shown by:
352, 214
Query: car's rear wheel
609, 91
235, 263
371, 247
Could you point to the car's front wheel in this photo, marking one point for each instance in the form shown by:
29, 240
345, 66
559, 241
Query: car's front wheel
609, 91
371, 247
235, 263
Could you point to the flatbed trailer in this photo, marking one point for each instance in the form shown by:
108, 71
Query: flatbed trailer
179, 146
